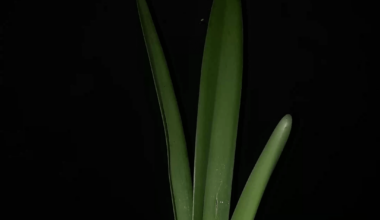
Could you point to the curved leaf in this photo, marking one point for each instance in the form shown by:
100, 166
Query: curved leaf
179, 170
254, 189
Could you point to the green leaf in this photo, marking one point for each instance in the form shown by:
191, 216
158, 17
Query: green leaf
179, 170
218, 111
253, 191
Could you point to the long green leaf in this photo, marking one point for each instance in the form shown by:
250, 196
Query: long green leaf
179, 170
218, 111
253, 191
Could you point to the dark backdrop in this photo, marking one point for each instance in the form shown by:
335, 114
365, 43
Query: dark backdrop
81, 128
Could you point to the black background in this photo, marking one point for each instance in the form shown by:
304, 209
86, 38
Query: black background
81, 128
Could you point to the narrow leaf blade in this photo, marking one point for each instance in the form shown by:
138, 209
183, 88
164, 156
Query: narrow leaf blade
253, 191
218, 111
179, 170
